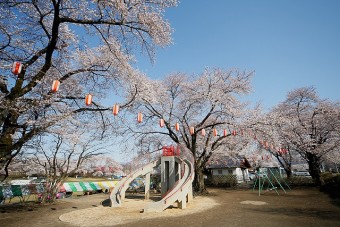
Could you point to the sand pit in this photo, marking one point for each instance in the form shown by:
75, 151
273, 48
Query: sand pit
130, 211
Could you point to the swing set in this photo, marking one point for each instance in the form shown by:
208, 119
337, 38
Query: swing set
268, 177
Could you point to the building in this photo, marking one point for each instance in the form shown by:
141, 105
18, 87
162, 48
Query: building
228, 165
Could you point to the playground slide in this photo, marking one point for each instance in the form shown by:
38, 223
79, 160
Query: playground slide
181, 192
118, 193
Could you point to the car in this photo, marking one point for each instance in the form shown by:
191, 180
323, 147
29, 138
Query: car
301, 173
252, 176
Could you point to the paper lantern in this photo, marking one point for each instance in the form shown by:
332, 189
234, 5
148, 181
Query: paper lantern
16, 68
55, 85
177, 127
161, 123
234, 133
139, 117
225, 132
203, 132
88, 99
192, 130
214, 132
115, 109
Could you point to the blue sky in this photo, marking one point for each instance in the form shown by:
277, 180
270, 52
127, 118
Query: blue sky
289, 44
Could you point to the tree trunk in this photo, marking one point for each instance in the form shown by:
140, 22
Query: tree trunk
5, 154
199, 186
51, 189
288, 172
7, 133
314, 168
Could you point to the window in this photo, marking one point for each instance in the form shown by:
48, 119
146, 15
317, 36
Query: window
219, 172
230, 171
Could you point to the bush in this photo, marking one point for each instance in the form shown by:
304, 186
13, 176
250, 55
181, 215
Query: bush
223, 180
301, 181
330, 178
332, 184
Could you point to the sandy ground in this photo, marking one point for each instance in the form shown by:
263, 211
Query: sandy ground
298, 207
130, 211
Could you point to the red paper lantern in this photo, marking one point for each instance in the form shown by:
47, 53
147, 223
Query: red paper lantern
161, 123
115, 109
16, 68
214, 132
88, 99
266, 144
192, 130
55, 85
234, 133
225, 132
177, 127
139, 117
203, 132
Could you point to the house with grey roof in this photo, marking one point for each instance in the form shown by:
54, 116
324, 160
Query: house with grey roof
224, 165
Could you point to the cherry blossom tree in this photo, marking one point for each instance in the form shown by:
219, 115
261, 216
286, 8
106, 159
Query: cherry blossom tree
310, 126
266, 130
25, 166
102, 163
60, 156
207, 103
139, 161
86, 46
333, 159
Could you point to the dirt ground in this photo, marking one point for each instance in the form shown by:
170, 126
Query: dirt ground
297, 207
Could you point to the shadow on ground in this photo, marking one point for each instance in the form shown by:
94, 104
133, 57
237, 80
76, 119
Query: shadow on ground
333, 191
140, 196
301, 212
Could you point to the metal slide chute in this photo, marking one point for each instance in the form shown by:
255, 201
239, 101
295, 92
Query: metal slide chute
181, 192
118, 193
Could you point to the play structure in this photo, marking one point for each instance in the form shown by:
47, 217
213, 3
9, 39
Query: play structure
177, 174
268, 177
